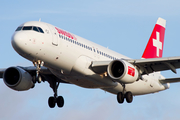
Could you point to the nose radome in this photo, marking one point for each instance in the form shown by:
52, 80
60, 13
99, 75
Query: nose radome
18, 41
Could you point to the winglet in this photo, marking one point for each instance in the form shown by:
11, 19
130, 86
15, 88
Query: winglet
154, 48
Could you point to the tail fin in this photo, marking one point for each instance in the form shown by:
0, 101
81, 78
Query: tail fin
154, 48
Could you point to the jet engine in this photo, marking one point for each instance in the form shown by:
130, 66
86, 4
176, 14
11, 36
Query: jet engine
122, 71
17, 79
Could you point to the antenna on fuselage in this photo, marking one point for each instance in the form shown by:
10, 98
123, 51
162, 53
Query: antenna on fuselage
39, 19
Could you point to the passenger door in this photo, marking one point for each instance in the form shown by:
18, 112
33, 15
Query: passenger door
54, 35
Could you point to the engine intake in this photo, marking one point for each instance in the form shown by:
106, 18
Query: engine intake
17, 79
122, 71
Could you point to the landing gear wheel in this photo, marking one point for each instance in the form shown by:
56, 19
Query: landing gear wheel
129, 97
120, 97
51, 102
60, 101
38, 79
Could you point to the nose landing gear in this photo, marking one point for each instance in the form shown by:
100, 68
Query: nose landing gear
38, 64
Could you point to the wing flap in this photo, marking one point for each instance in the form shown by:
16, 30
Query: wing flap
169, 80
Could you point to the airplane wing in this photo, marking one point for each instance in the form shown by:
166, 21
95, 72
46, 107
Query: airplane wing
145, 65
30, 69
44, 72
157, 64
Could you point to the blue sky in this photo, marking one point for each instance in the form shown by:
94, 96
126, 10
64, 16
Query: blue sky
123, 26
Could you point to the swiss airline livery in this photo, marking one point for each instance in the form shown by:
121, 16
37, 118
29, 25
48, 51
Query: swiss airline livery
59, 56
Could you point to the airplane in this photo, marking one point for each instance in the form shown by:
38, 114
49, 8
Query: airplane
59, 56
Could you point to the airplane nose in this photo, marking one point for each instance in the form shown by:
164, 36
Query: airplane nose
18, 41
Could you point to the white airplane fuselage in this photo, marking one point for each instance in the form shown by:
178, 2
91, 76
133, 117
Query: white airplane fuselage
69, 56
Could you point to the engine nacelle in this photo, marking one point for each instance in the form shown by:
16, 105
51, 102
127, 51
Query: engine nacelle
122, 71
17, 79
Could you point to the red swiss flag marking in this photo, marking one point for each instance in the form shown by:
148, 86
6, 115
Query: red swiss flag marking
131, 71
154, 48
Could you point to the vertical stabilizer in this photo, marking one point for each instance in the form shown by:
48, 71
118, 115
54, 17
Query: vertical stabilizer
154, 48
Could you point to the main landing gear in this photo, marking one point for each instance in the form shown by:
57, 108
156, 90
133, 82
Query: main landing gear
128, 96
55, 99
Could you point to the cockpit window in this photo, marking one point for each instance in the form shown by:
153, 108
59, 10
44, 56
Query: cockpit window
19, 28
27, 28
34, 28
40, 30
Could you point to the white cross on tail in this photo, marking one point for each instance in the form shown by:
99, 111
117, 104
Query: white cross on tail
157, 43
